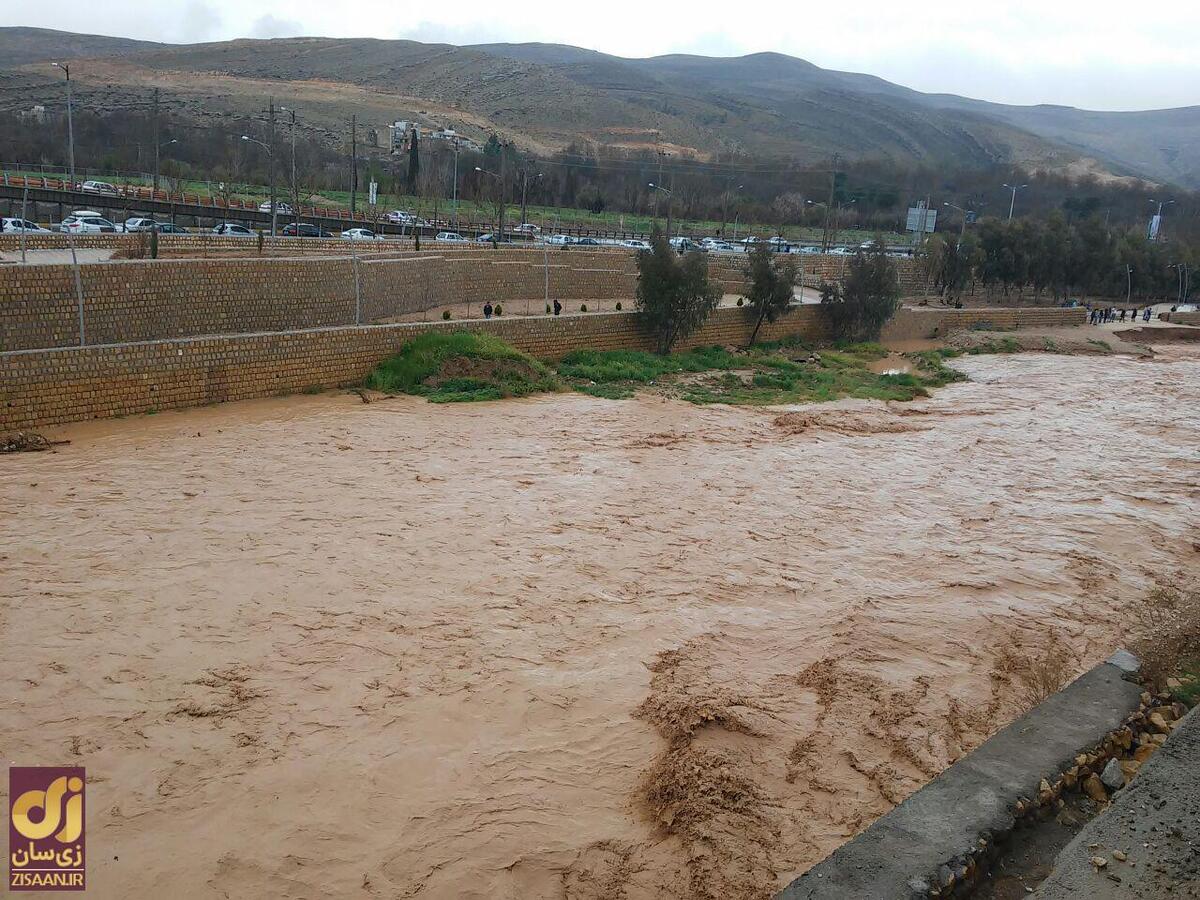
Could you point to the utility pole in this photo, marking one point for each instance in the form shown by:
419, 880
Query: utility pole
827, 237
156, 140
271, 163
353, 162
503, 175
70, 123
525, 179
455, 187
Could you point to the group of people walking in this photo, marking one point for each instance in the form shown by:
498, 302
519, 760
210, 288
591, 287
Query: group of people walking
1112, 314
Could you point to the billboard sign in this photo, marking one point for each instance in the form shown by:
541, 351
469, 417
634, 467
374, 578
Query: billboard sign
915, 214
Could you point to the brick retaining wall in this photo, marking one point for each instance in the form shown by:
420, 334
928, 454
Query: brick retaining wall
917, 323
46, 387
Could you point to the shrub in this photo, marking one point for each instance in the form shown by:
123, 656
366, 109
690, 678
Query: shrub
674, 295
446, 315
618, 306
741, 301
461, 366
772, 285
499, 310
859, 308
548, 310
583, 307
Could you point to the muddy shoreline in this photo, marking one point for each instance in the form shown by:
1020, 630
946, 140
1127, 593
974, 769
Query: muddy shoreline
564, 647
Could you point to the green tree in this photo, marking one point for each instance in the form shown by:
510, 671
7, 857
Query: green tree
772, 286
414, 162
674, 294
859, 307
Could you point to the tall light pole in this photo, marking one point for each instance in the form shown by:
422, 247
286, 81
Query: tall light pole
525, 179
496, 238
729, 189
1012, 204
157, 151
271, 158
454, 189
295, 184
1161, 204
670, 202
963, 230
70, 123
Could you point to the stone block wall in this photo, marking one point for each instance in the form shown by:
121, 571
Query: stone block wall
47, 387
919, 323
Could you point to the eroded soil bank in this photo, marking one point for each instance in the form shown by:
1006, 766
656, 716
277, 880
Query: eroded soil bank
564, 647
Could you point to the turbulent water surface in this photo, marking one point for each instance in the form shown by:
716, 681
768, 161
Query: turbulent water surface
564, 647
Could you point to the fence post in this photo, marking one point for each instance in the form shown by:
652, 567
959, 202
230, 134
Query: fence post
357, 286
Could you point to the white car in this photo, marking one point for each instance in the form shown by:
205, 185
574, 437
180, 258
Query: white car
450, 237
527, 228
99, 187
635, 244
807, 249
718, 246
229, 229
86, 221
400, 217
138, 223
560, 240
841, 251
17, 226
361, 234
281, 209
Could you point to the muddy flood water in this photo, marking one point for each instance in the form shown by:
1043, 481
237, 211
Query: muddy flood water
564, 647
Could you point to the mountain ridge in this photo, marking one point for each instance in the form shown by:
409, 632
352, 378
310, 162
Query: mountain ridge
548, 96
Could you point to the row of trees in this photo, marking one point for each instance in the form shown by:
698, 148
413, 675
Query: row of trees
675, 295
1057, 258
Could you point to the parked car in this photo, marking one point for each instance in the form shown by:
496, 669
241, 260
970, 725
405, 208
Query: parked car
635, 244
841, 251
281, 208
684, 245
304, 229
806, 249
229, 229
489, 238
361, 234
587, 242
138, 223
400, 217
450, 237
560, 240
171, 228
527, 228
86, 221
17, 226
99, 187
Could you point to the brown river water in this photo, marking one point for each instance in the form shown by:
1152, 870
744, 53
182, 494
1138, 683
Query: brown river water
563, 647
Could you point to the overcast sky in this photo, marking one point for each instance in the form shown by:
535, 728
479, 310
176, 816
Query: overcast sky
1091, 53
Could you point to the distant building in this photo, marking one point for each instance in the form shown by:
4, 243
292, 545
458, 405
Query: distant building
38, 114
398, 133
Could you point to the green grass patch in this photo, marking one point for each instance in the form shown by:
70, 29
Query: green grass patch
1188, 689
462, 367
1103, 345
932, 366
763, 375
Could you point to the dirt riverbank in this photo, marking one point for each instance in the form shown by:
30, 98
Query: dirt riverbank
564, 647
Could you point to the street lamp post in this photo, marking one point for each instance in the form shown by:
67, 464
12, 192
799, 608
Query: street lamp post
525, 179
729, 189
454, 188
963, 230
295, 184
670, 203
70, 122
271, 159
1012, 204
157, 151
500, 236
